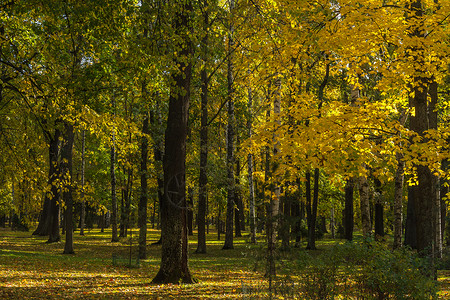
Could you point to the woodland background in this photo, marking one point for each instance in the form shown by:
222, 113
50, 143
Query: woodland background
283, 120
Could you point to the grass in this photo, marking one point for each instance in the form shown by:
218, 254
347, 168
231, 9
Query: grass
32, 269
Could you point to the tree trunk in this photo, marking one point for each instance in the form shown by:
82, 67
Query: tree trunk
379, 210
190, 212
158, 154
239, 210
51, 197
54, 235
143, 199
433, 124
231, 191
174, 251
66, 173
423, 191
398, 202
313, 211
365, 206
251, 187
83, 167
203, 176
114, 238
285, 221
348, 210
410, 226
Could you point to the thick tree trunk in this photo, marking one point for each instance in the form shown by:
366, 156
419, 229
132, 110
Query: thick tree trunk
190, 212
44, 219
143, 199
66, 173
51, 197
410, 224
54, 212
348, 210
174, 251
423, 191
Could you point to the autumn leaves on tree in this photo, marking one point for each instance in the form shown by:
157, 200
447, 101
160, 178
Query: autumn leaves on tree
325, 102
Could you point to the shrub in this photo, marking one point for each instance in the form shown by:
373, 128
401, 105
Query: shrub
362, 271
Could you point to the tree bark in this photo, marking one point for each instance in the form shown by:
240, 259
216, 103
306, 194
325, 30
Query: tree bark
398, 201
230, 141
51, 196
309, 217
66, 172
174, 250
423, 191
410, 226
143, 199
379, 210
114, 237
54, 234
365, 206
348, 210
203, 176
433, 124
190, 212
251, 187
239, 208
83, 167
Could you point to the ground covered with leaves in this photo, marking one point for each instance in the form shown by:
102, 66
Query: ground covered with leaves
32, 269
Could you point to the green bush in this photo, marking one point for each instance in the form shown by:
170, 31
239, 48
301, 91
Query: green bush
363, 271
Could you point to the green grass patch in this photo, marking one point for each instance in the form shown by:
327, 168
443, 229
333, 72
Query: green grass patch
32, 269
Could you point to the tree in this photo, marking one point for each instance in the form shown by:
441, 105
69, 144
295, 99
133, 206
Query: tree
174, 260
142, 209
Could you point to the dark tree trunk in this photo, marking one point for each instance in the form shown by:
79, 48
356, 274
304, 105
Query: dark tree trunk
239, 210
83, 166
190, 212
52, 196
44, 218
203, 177
66, 173
54, 212
122, 229
379, 220
444, 191
348, 210
296, 212
410, 226
231, 191
379, 210
251, 185
285, 225
174, 251
143, 199
436, 207
114, 237
423, 192
313, 210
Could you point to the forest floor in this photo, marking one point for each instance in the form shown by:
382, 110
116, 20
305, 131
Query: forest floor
32, 269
